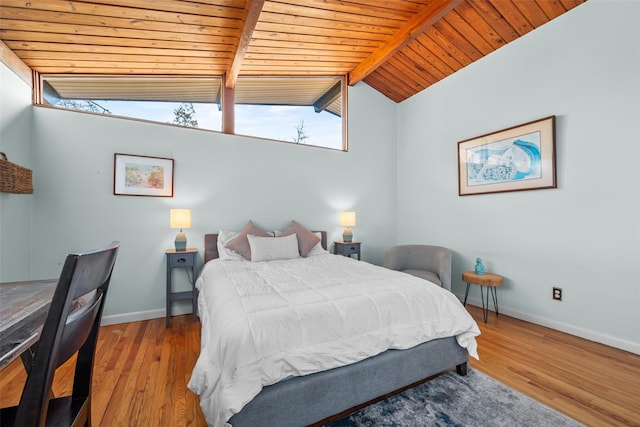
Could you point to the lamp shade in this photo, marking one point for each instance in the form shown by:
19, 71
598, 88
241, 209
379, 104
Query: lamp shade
180, 218
347, 219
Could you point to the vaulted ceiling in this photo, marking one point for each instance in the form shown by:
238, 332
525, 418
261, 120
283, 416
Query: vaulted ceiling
399, 47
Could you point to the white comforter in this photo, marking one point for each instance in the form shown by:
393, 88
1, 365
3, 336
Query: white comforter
265, 321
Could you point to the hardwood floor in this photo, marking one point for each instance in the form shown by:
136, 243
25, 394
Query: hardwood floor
142, 370
140, 377
590, 382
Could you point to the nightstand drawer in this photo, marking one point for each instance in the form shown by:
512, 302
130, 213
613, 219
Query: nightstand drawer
181, 260
350, 249
346, 248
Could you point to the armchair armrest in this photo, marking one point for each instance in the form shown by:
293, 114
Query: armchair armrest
436, 259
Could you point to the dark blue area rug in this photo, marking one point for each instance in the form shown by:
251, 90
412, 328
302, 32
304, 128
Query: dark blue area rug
453, 400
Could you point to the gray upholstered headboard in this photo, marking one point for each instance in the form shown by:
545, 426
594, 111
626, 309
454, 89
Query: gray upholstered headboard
211, 245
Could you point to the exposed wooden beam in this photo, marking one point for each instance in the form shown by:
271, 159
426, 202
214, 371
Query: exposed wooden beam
228, 110
15, 64
425, 18
328, 97
252, 13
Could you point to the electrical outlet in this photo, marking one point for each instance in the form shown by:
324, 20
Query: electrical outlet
557, 294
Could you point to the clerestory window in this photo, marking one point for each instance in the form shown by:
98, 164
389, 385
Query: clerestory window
305, 111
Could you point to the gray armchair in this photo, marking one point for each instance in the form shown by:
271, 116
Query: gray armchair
432, 263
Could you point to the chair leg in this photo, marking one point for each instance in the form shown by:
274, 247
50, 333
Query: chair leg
83, 417
28, 356
87, 422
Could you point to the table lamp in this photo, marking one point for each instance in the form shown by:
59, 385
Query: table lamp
347, 219
180, 218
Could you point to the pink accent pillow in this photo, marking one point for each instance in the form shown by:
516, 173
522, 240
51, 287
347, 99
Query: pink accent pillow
306, 239
241, 244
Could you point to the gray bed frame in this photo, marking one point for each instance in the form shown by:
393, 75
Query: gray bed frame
301, 401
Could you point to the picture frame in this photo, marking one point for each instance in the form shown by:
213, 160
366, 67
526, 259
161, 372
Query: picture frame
518, 158
135, 175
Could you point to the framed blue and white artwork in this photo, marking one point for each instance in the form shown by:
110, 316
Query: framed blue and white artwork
514, 159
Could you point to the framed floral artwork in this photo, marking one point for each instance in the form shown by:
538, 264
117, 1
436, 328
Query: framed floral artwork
142, 176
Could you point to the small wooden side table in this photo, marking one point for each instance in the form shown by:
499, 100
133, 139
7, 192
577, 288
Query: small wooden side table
492, 281
187, 260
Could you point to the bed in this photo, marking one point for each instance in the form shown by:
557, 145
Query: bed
287, 388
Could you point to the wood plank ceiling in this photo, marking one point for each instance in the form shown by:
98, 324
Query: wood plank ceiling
399, 47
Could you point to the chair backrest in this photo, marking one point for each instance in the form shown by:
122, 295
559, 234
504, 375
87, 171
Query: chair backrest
436, 259
71, 326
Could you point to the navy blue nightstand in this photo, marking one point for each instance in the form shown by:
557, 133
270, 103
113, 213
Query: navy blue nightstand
182, 259
346, 248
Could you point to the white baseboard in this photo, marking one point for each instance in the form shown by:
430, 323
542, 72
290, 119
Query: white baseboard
561, 326
115, 319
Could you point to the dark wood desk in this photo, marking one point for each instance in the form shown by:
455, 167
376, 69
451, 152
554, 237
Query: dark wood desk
23, 310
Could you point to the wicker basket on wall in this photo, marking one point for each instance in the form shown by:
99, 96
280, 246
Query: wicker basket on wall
14, 178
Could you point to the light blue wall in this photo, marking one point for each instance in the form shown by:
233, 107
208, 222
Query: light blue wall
584, 236
15, 209
225, 180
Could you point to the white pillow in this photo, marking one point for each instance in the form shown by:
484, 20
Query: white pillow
273, 248
224, 253
317, 249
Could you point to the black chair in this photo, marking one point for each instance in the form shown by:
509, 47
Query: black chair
71, 326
